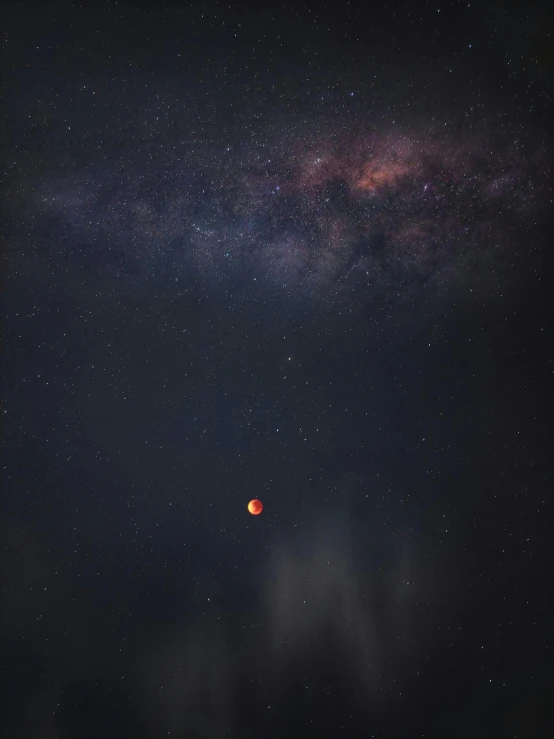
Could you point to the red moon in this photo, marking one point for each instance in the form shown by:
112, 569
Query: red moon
255, 507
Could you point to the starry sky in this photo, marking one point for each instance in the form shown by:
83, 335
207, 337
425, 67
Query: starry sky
297, 252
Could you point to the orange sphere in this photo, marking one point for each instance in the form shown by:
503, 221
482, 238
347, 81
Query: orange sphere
255, 507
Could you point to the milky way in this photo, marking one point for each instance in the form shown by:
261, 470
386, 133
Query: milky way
307, 211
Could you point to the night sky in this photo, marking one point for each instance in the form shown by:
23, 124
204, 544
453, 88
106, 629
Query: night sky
299, 253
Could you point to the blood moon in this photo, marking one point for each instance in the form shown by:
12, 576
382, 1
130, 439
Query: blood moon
255, 507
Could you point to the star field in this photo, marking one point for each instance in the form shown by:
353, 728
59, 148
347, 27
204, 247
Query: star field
297, 254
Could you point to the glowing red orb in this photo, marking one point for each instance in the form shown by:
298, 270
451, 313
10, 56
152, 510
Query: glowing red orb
255, 507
